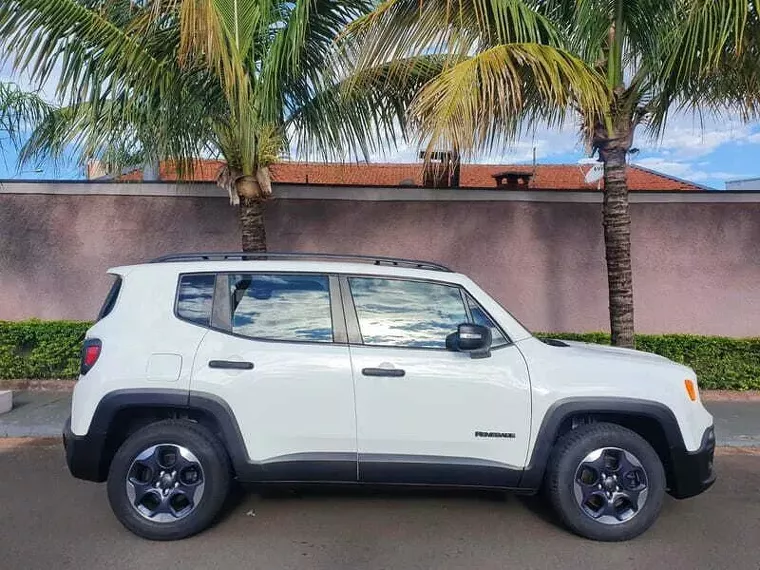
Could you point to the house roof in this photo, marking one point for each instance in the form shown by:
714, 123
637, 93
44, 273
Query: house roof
544, 176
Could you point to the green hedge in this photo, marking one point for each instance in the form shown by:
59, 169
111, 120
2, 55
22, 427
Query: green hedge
50, 349
721, 363
40, 349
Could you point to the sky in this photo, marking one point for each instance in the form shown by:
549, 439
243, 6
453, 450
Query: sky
708, 151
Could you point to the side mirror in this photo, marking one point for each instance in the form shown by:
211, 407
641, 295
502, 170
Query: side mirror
474, 339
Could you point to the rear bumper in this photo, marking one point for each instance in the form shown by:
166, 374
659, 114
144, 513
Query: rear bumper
84, 454
692, 472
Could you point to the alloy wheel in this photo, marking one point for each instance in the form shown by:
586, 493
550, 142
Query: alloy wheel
165, 483
610, 485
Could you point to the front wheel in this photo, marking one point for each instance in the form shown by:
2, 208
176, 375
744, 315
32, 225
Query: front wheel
169, 480
605, 482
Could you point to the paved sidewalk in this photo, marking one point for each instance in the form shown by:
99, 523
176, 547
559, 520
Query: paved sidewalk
36, 414
42, 414
736, 423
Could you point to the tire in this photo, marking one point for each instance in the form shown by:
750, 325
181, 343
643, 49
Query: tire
620, 509
154, 504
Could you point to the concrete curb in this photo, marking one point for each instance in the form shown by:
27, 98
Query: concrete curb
7, 443
729, 396
723, 450
51, 385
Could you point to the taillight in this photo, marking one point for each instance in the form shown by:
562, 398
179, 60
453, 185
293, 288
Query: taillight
90, 354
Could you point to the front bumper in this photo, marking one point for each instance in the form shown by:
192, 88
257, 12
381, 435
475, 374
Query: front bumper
692, 472
84, 454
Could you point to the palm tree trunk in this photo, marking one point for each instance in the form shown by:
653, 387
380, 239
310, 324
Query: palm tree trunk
617, 243
253, 233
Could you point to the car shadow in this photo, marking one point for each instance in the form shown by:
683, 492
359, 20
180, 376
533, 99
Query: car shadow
537, 505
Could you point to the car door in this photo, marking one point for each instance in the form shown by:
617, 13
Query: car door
279, 360
425, 414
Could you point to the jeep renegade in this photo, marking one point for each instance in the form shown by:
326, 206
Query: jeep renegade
293, 368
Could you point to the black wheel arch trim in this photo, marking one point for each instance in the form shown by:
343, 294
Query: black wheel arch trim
118, 400
562, 410
89, 455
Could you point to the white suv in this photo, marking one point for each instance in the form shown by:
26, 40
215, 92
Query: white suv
293, 368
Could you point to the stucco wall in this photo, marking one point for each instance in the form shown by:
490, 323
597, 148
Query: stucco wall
696, 267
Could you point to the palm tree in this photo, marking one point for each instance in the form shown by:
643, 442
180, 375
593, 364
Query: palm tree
653, 55
20, 111
183, 79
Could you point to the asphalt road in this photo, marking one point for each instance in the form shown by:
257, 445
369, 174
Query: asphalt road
49, 520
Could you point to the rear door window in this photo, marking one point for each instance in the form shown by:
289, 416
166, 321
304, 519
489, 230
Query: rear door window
284, 307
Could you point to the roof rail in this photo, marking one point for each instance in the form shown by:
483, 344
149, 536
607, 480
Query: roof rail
263, 256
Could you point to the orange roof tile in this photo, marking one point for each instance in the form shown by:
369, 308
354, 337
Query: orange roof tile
544, 176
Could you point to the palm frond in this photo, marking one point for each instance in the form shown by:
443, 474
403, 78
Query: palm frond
362, 113
406, 28
708, 28
711, 62
102, 132
20, 111
299, 62
480, 103
39, 35
220, 33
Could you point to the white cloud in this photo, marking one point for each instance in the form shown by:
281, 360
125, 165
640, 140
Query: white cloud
547, 143
686, 170
687, 136
679, 169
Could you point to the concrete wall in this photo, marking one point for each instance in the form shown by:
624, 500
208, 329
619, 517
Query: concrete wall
696, 262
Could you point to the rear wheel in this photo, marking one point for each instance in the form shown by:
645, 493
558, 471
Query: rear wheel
169, 480
605, 482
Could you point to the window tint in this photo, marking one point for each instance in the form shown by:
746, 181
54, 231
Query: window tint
281, 307
480, 317
196, 293
110, 301
416, 314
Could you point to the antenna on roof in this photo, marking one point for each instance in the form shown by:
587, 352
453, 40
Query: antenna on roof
595, 173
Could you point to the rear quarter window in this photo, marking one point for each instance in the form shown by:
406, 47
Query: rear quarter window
110, 301
195, 297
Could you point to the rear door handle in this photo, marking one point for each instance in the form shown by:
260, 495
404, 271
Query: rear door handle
230, 364
395, 372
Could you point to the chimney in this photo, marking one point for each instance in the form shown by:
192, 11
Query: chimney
518, 179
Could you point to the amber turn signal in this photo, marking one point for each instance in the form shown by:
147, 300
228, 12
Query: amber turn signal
691, 389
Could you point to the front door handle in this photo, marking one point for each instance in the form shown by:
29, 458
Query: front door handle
231, 364
395, 372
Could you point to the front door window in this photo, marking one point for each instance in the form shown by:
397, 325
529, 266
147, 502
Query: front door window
406, 314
